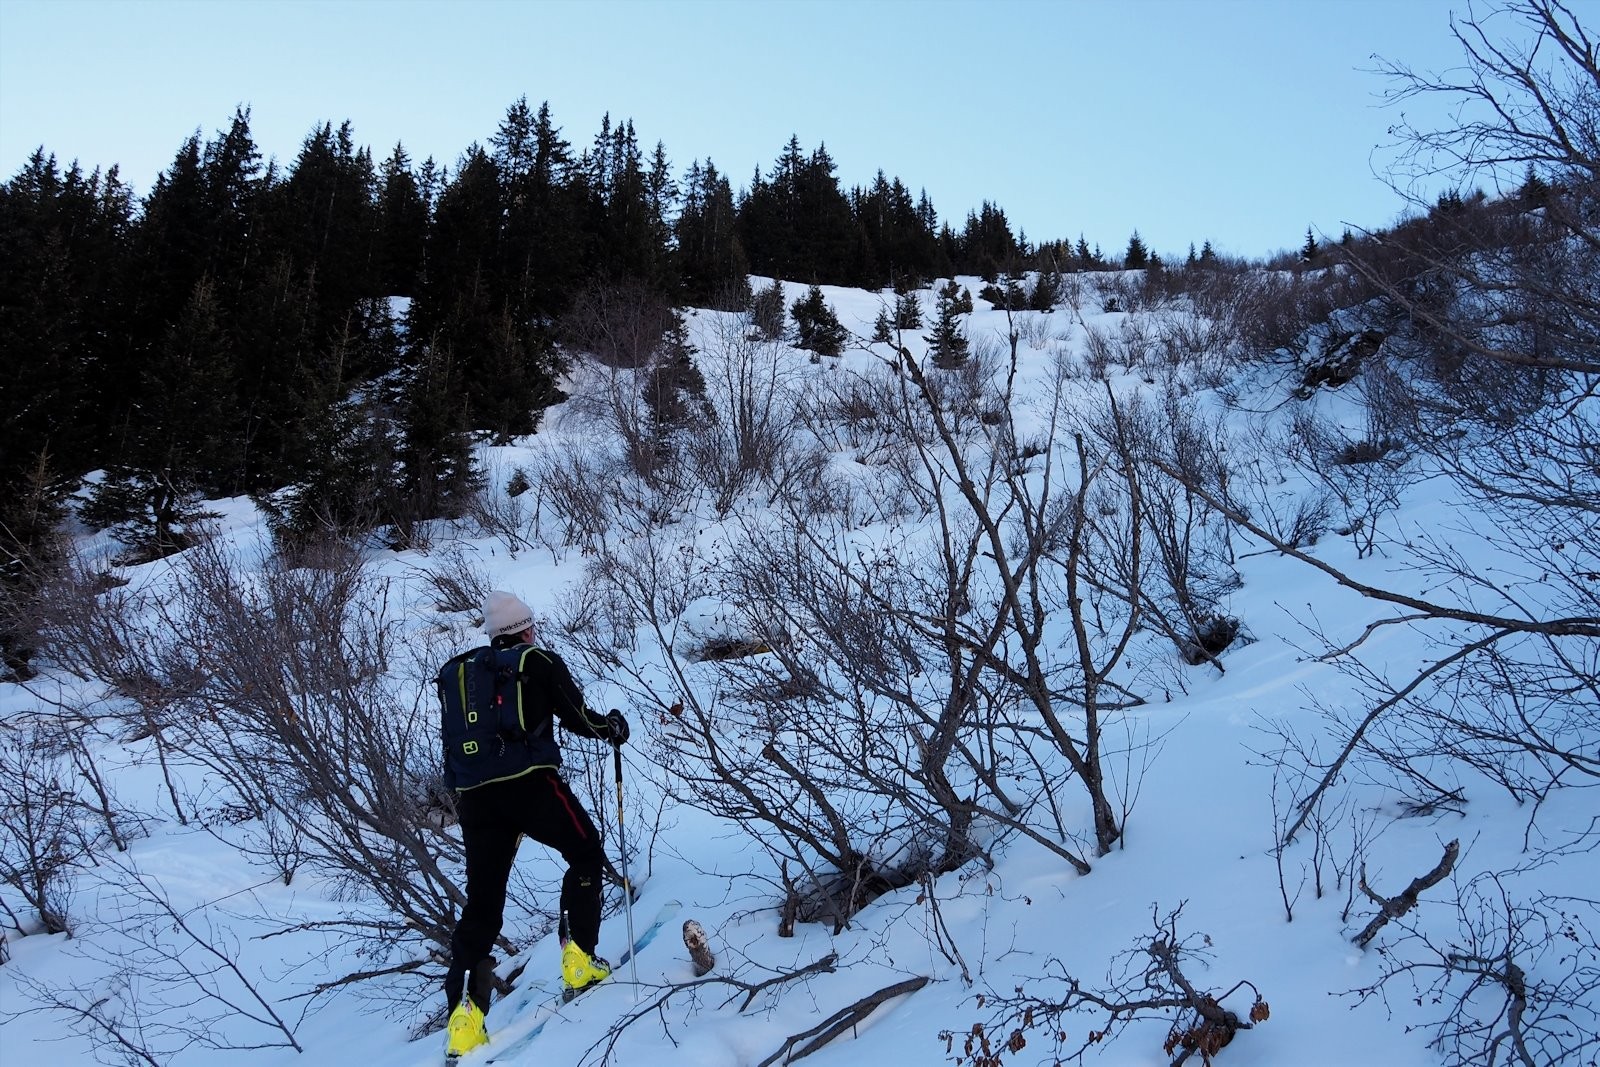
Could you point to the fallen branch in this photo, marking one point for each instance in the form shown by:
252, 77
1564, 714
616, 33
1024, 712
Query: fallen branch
840, 1021
607, 1044
1394, 907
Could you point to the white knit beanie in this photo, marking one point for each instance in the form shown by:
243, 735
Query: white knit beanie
505, 614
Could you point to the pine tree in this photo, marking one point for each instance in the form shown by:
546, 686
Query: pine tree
63, 251
882, 328
402, 226
1534, 191
767, 312
1309, 251
181, 440
1137, 257
675, 391
711, 261
32, 550
542, 245
1046, 291
818, 328
1087, 260
947, 344
436, 476
907, 312
346, 485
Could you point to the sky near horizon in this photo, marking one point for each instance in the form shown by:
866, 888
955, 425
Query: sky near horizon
1241, 122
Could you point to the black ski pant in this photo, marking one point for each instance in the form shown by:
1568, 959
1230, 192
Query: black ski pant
540, 805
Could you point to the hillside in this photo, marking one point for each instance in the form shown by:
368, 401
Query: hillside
1048, 640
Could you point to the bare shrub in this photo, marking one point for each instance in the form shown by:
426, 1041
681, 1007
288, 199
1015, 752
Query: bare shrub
1100, 353
170, 980
1151, 981
459, 585
266, 674
1365, 475
1120, 291
1034, 328
906, 710
1518, 980
574, 483
90, 628
621, 325
748, 386
853, 413
500, 512
43, 840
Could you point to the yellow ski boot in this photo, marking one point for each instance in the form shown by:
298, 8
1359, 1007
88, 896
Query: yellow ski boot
466, 1030
579, 970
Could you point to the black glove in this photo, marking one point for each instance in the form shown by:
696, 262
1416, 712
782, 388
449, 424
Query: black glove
618, 727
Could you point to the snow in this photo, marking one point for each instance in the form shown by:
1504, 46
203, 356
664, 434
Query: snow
1199, 839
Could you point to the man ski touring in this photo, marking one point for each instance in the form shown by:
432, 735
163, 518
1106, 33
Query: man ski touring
498, 709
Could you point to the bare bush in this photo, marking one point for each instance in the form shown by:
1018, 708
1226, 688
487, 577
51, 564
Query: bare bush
573, 481
1034, 328
265, 675
1148, 982
1365, 475
1190, 572
1492, 384
621, 325
171, 981
748, 386
43, 840
894, 714
459, 585
1518, 980
500, 509
852, 413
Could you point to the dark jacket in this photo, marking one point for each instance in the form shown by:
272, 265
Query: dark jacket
546, 694
548, 688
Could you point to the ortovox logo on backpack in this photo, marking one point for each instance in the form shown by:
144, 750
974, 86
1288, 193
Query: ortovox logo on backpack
489, 733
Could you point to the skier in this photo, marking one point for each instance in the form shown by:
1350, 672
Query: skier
525, 796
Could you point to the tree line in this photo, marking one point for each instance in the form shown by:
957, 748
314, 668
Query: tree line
230, 332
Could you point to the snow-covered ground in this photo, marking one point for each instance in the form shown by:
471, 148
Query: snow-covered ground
1199, 840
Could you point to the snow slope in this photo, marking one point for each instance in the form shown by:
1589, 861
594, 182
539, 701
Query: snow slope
1199, 840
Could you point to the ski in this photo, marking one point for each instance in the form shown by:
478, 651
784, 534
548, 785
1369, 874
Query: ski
552, 1008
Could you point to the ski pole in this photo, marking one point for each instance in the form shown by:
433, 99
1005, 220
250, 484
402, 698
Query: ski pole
627, 883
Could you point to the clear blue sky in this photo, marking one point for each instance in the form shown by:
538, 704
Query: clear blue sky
1237, 121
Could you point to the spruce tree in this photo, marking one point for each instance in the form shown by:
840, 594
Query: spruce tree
1087, 260
402, 226
882, 328
711, 261
435, 475
907, 312
181, 440
63, 317
1137, 257
947, 344
346, 485
674, 392
32, 550
767, 313
817, 327
542, 245
1046, 291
